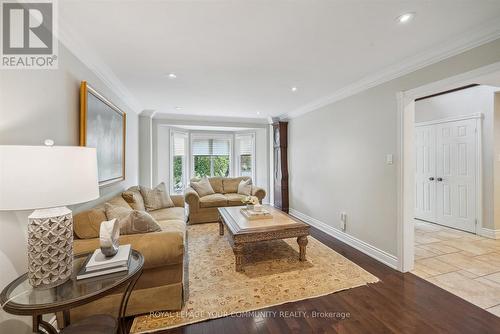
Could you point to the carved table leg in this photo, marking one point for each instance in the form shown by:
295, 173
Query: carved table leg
302, 241
238, 256
221, 227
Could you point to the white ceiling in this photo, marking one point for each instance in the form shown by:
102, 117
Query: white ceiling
237, 58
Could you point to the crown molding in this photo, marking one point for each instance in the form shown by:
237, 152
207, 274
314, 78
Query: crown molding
149, 113
78, 47
483, 34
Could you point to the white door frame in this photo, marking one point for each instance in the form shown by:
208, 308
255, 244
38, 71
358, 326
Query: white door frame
478, 117
405, 147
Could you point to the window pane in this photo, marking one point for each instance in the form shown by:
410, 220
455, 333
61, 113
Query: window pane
202, 147
178, 177
221, 165
202, 165
245, 145
220, 147
246, 165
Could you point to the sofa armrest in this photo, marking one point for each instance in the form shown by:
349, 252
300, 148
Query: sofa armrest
158, 248
178, 200
192, 199
260, 193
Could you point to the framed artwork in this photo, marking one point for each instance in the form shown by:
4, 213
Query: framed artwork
103, 126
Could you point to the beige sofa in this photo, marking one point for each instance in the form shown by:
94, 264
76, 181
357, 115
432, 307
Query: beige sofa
161, 285
204, 209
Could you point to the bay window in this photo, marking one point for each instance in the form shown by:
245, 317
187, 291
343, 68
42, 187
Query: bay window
245, 155
211, 156
178, 163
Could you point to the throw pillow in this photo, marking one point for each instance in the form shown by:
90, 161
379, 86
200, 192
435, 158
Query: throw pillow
138, 222
245, 187
132, 221
134, 198
203, 187
116, 212
156, 198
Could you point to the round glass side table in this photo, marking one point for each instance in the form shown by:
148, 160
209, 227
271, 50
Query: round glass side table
20, 298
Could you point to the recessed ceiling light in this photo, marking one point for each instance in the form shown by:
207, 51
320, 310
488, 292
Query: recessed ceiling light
258, 112
405, 18
293, 89
179, 108
172, 75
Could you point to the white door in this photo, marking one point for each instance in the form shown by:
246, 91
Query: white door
445, 174
456, 174
425, 172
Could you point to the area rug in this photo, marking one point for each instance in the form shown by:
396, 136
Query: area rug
272, 275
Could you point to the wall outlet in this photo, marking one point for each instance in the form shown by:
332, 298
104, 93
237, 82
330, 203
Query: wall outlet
343, 221
389, 159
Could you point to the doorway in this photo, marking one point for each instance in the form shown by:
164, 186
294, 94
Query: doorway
487, 75
447, 157
455, 245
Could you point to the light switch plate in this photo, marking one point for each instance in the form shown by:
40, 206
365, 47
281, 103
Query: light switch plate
389, 159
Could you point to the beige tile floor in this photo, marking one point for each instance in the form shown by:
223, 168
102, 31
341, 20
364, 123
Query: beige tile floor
462, 263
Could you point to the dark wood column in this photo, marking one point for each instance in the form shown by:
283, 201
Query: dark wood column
280, 143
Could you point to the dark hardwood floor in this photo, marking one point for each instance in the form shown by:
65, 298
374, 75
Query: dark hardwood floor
400, 303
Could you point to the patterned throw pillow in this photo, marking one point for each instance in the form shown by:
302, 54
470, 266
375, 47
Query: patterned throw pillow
132, 221
245, 187
203, 187
134, 198
156, 198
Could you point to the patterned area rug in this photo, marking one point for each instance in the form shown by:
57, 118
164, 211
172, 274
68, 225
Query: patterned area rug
272, 275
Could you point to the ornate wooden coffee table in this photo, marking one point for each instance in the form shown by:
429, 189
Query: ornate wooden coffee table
242, 230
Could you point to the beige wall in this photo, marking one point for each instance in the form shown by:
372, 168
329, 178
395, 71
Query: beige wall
337, 153
474, 100
36, 105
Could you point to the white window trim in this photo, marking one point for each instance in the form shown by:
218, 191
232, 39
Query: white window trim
211, 135
237, 157
174, 132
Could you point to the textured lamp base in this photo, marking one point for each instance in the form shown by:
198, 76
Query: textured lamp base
50, 247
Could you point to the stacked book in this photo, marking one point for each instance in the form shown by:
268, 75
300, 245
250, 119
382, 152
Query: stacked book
97, 264
253, 215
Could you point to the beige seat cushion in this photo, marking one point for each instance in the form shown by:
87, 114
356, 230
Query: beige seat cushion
214, 200
202, 187
134, 198
158, 248
234, 199
157, 198
168, 214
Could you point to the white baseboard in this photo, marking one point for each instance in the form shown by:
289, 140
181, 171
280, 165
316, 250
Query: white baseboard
489, 233
372, 251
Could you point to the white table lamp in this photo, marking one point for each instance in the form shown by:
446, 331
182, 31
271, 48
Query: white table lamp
47, 178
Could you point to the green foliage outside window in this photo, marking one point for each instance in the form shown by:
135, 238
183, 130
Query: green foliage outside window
201, 166
246, 165
204, 164
221, 165
178, 182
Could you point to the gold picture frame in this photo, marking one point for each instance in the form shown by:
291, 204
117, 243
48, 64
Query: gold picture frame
100, 127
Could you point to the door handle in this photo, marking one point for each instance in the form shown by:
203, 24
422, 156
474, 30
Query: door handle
431, 179
440, 179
